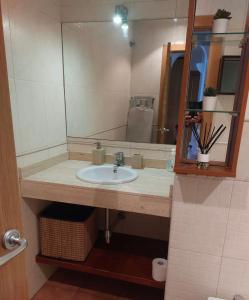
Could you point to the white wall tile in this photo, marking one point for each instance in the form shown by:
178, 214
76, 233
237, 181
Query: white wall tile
55, 111
243, 162
233, 279
200, 214
237, 237
7, 38
40, 116
32, 115
37, 274
34, 56
247, 110
36, 157
36, 42
15, 117
191, 275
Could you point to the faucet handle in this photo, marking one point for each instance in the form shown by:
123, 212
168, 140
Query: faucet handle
119, 155
119, 158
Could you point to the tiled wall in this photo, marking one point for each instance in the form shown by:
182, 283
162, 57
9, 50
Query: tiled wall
149, 151
97, 59
208, 254
33, 41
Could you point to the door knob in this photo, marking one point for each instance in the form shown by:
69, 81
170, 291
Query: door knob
12, 241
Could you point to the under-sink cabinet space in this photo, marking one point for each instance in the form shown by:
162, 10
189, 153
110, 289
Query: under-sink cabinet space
127, 258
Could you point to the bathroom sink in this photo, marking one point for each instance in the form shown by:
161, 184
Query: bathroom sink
105, 174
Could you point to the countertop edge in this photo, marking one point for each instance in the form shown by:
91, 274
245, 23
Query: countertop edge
97, 197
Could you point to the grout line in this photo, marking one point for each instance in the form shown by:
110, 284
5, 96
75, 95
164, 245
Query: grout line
225, 236
40, 150
64, 82
100, 132
134, 20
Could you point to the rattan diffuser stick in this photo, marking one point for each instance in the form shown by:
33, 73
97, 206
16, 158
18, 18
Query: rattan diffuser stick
209, 139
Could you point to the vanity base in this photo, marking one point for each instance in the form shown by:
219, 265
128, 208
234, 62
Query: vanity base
127, 258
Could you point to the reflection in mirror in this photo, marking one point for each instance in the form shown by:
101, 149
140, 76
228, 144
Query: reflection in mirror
121, 84
213, 79
213, 85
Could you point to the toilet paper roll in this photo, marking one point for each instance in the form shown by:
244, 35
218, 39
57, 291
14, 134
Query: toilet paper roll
159, 266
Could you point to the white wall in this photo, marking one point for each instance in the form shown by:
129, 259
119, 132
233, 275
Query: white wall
97, 10
33, 45
97, 78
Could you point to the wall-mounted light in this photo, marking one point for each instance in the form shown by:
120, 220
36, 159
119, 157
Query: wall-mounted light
121, 16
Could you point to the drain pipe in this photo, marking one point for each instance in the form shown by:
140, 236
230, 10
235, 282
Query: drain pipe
107, 226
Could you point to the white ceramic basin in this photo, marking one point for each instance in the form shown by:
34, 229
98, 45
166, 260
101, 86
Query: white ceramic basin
105, 174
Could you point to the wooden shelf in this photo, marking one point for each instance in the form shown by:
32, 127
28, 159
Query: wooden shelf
127, 258
216, 171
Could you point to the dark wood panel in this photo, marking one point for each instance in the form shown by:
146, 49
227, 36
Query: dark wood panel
185, 78
204, 22
127, 258
217, 171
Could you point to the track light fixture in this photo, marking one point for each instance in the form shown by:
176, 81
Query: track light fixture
121, 16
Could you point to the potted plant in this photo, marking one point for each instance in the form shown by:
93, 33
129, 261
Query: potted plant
221, 19
210, 99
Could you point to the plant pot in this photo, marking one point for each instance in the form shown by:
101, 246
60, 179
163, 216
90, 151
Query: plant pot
209, 103
203, 160
220, 25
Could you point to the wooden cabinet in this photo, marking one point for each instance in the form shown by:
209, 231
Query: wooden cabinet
204, 55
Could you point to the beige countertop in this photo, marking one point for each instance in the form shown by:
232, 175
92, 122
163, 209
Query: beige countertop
149, 194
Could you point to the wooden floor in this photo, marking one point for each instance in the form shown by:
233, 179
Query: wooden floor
72, 285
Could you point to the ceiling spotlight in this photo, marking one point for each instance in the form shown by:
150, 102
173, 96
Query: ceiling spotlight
125, 26
117, 19
175, 20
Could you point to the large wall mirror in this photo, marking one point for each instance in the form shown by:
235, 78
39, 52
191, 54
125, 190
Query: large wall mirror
123, 83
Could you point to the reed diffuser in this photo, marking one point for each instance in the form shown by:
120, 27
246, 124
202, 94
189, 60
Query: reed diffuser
205, 143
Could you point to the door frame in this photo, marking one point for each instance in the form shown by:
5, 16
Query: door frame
164, 81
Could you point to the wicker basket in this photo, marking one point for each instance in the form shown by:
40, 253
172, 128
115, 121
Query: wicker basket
67, 231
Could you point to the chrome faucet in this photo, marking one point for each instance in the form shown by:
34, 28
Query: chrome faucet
119, 159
